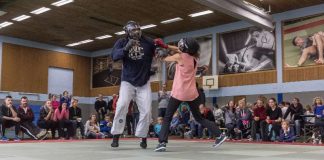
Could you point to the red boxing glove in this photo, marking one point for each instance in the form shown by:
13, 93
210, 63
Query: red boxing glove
159, 42
270, 121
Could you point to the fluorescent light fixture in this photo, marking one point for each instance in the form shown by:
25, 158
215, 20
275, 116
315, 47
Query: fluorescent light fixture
40, 10
5, 24
172, 20
201, 13
120, 33
62, 2
79, 43
21, 18
148, 26
104, 37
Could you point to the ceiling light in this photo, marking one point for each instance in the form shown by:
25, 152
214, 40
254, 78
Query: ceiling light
40, 10
120, 33
62, 2
20, 18
5, 24
201, 13
172, 20
148, 26
104, 37
81, 42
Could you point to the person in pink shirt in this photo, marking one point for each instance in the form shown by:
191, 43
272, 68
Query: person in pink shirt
61, 116
184, 89
55, 103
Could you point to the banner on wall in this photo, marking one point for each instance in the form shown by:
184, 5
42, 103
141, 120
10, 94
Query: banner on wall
248, 50
303, 41
204, 63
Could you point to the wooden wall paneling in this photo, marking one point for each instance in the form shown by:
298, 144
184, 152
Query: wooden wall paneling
304, 73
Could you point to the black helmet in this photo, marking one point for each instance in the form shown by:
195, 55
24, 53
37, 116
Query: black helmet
188, 45
133, 30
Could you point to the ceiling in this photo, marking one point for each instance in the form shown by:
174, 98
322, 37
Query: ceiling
87, 19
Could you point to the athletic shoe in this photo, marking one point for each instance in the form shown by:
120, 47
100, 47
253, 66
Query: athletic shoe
43, 137
143, 143
17, 139
160, 147
41, 134
115, 142
221, 139
4, 139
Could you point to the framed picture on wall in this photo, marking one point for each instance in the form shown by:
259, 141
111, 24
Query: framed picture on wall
105, 72
303, 40
247, 50
204, 63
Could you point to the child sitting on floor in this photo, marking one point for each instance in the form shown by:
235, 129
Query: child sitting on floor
157, 126
287, 133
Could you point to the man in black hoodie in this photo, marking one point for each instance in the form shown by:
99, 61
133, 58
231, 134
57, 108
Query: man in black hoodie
9, 118
76, 117
295, 110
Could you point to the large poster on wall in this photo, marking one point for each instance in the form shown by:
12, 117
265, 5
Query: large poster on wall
303, 41
204, 63
247, 50
105, 72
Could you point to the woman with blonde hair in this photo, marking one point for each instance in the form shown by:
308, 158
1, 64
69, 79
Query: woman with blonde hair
319, 115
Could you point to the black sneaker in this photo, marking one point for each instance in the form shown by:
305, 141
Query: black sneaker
143, 143
115, 142
161, 147
221, 139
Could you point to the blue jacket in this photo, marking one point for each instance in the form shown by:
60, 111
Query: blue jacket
104, 127
136, 62
289, 137
319, 111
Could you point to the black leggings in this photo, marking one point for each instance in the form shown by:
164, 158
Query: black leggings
194, 108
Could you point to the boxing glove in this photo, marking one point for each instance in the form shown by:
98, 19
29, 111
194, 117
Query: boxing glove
159, 42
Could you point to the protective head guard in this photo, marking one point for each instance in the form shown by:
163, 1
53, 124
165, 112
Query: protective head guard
188, 45
133, 30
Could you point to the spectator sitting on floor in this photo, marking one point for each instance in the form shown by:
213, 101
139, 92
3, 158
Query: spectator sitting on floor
92, 130
9, 118
295, 110
61, 116
230, 119
105, 126
66, 99
287, 133
174, 123
75, 115
218, 115
45, 120
207, 114
244, 118
55, 103
259, 116
26, 115
101, 107
157, 126
272, 124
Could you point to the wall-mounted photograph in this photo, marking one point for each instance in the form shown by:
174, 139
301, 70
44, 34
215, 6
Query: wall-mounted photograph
204, 63
303, 41
247, 50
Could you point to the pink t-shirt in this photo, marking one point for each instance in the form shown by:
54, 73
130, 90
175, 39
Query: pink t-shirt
55, 104
184, 83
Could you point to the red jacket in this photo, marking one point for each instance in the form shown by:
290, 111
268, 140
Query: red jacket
260, 112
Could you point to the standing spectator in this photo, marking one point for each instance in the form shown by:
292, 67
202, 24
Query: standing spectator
61, 116
157, 126
135, 116
272, 124
55, 103
105, 126
46, 117
101, 107
26, 115
319, 113
287, 133
295, 110
164, 97
230, 119
92, 130
206, 113
309, 111
218, 115
75, 115
113, 103
66, 99
259, 116
244, 118
9, 118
